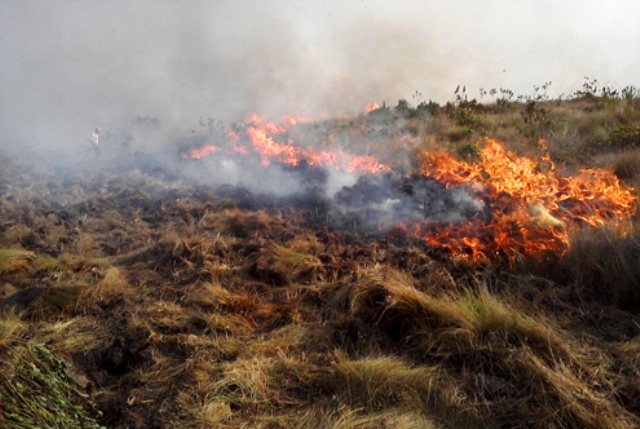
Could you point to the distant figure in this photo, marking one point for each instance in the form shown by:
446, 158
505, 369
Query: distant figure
95, 139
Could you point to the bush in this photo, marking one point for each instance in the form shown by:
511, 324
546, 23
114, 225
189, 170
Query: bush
469, 151
465, 116
624, 136
536, 119
38, 390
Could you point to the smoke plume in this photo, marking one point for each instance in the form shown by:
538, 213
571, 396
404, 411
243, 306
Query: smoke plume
69, 66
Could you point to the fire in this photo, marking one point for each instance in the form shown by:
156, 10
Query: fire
366, 163
293, 120
269, 141
371, 107
532, 207
532, 211
199, 152
269, 150
262, 137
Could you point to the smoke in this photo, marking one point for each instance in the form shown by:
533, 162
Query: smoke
69, 66
273, 180
370, 204
376, 203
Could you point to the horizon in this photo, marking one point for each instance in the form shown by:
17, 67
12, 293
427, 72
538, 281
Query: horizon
70, 66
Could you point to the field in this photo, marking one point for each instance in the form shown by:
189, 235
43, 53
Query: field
136, 295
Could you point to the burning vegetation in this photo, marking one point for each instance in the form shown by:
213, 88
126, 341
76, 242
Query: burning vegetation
500, 204
379, 270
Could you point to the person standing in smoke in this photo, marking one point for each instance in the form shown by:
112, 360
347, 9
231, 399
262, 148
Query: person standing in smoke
95, 139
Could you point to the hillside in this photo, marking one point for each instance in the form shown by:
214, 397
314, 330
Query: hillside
474, 264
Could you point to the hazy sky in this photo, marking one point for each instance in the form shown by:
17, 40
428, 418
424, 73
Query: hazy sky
69, 66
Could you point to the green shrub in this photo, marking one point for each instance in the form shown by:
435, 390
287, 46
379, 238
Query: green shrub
458, 133
37, 390
536, 120
465, 116
624, 136
469, 151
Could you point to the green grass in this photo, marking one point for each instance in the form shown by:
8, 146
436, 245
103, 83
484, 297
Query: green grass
37, 389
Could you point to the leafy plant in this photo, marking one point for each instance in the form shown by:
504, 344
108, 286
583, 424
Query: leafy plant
39, 391
465, 116
469, 151
536, 119
625, 135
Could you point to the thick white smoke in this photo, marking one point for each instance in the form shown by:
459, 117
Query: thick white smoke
69, 66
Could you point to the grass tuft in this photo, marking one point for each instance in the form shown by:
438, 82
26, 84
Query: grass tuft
15, 261
77, 335
112, 287
298, 266
379, 383
12, 327
604, 266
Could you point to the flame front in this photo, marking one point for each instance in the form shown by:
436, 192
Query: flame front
532, 211
264, 139
371, 107
533, 208
200, 152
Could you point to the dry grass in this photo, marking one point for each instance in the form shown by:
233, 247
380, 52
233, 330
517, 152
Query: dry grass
198, 412
299, 267
12, 327
56, 302
378, 383
625, 164
48, 265
489, 336
77, 335
113, 286
179, 308
602, 265
79, 263
14, 261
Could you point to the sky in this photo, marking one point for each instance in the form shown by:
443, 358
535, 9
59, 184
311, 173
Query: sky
68, 66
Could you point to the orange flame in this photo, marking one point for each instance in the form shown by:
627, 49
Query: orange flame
199, 152
263, 136
371, 107
270, 142
532, 211
293, 120
366, 163
533, 207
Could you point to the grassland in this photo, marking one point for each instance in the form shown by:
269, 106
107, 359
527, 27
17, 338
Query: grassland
154, 302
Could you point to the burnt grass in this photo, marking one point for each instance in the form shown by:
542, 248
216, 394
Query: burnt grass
183, 305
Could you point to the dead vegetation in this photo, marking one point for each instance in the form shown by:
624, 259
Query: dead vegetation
176, 307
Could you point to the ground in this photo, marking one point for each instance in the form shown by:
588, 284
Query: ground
180, 304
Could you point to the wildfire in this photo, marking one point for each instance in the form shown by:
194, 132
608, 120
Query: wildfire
199, 152
533, 207
269, 141
532, 211
292, 120
371, 107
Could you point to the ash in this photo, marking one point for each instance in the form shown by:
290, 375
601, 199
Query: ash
380, 202
373, 204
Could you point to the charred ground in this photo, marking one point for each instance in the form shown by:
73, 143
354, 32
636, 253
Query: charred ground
189, 304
